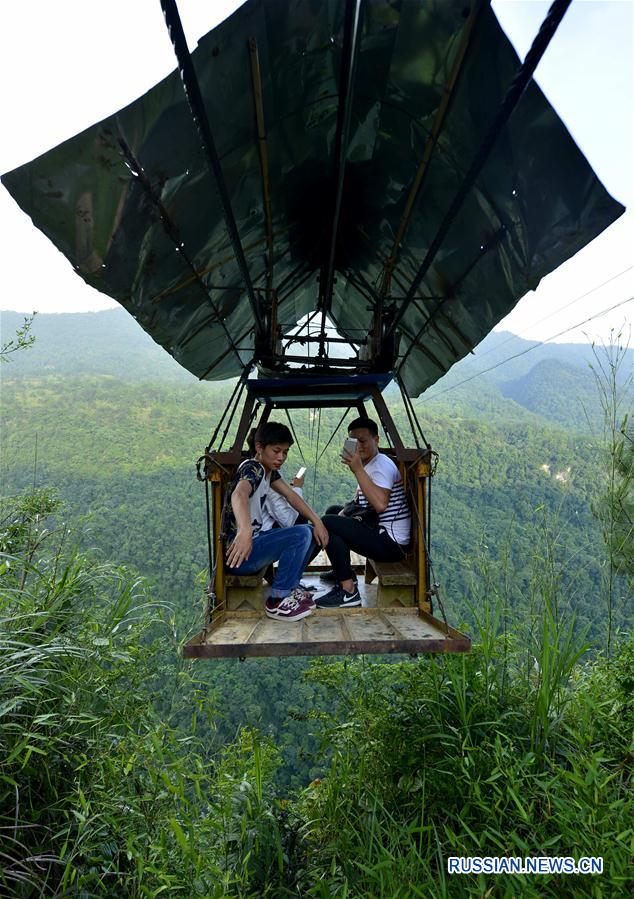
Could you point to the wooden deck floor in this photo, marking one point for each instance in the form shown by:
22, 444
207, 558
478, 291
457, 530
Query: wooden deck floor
363, 630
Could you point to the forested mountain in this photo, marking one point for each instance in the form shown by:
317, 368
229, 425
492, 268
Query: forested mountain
276, 777
96, 409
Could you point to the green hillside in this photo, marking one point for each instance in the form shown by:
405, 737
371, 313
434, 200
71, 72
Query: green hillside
559, 392
125, 771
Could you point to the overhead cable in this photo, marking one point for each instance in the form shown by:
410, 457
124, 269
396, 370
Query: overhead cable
557, 311
528, 349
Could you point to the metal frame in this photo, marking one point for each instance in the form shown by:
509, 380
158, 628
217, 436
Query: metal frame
513, 96
387, 629
353, 15
199, 115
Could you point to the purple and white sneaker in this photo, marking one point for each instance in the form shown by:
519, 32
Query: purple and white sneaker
291, 608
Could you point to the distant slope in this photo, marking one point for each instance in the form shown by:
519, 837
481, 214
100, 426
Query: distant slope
517, 390
105, 343
559, 392
122, 455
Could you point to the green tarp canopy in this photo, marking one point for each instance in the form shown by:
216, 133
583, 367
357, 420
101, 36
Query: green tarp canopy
159, 245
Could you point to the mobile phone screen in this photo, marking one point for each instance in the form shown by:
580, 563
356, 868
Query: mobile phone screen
301, 472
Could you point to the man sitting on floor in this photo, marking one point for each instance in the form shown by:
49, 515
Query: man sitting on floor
250, 549
384, 536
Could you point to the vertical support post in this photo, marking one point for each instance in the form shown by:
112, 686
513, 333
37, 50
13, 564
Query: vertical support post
422, 600
217, 498
388, 422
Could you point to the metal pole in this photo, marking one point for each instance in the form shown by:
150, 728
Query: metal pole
346, 89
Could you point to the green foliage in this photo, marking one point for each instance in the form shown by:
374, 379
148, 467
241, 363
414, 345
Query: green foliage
91, 778
447, 757
613, 505
126, 772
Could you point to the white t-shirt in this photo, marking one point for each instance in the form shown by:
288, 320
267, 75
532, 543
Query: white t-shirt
276, 510
396, 519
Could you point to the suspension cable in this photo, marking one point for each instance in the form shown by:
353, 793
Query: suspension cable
527, 350
292, 427
334, 434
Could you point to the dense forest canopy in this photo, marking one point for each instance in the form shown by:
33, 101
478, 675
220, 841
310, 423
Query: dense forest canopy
277, 777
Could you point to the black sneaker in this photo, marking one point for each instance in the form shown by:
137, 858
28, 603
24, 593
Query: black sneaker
338, 598
328, 577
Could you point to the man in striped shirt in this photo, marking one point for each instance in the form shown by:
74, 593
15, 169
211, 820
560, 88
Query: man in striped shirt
387, 538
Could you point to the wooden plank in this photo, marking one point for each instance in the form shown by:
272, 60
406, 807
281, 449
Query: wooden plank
236, 630
369, 627
273, 631
392, 574
245, 580
324, 628
412, 627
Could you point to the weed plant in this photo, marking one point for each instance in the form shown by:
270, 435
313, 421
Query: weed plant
99, 796
522, 747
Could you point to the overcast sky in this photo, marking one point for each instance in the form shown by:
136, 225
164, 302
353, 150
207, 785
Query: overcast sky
67, 64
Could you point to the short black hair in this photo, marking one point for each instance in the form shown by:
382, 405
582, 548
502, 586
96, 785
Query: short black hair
273, 432
364, 422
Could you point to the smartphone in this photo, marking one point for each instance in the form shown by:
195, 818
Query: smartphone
350, 445
301, 472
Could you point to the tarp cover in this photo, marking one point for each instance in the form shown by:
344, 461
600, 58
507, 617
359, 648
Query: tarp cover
536, 185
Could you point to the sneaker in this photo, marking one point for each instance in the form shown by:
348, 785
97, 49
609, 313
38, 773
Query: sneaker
291, 608
328, 577
305, 595
338, 598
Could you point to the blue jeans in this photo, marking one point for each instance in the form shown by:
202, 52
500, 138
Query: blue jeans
292, 547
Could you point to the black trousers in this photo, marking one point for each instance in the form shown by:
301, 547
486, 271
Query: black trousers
348, 534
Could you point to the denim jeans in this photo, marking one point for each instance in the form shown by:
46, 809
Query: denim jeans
292, 547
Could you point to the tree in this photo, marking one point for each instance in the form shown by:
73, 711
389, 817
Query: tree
614, 505
22, 340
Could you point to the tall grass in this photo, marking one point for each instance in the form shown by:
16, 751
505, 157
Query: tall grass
92, 783
524, 747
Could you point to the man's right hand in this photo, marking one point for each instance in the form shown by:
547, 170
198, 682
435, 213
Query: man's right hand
240, 549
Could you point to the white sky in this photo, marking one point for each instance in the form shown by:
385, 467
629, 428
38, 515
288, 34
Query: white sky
67, 64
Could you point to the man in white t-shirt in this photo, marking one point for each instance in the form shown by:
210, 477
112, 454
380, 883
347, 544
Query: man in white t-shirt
384, 536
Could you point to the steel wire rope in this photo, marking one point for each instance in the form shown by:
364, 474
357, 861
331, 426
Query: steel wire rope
334, 433
557, 311
299, 446
312, 498
523, 352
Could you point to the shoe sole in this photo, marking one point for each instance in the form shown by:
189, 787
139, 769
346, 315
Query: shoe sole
298, 617
343, 605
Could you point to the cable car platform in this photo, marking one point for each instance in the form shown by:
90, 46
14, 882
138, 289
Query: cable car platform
365, 629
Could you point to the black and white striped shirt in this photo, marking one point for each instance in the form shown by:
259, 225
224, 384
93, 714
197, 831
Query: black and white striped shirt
397, 518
